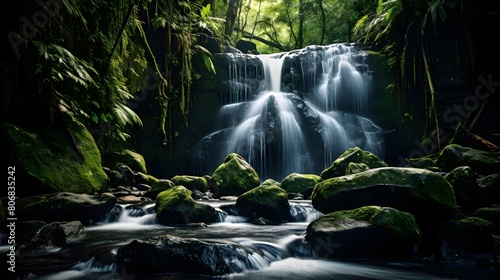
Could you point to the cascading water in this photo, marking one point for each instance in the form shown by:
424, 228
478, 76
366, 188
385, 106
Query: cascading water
309, 107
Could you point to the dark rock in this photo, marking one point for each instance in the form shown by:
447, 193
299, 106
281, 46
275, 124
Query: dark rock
56, 234
63, 206
129, 158
121, 175
366, 232
482, 162
423, 193
171, 254
467, 241
464, 183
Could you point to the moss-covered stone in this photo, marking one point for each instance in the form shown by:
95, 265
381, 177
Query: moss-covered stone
53, 161
193, 183
356, 155
369, 231
233, 177
130, 158
482, 162
419, 191
299, 183
268, 202
64, 206
157, 187
491, 214
467, 241
176, 206
464, 183
489, 190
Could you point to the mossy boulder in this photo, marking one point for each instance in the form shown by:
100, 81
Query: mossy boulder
176, 206
355, 155
121, 175
193, 183
482, 162
299, 183
65, 159
233, 177
369, 231
130, 158
491, 214
489, 190
464, 183
467, 241
268, 202
421, 192
157, 186
64, 206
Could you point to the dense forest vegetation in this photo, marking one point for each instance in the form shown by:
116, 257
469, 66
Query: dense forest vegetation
92, 60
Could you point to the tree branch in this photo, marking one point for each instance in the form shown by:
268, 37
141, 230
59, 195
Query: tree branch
262, 40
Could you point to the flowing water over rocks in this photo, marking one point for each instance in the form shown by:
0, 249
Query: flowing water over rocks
293, 112
271, 252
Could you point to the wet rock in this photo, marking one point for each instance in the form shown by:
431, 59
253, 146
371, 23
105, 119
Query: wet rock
369, 231
192, 183
233, 177
299, 183
157, 187
171, 254
491, 214
121, 175
176, 206
467, 241
482, 162
64, 206
269, 202
129, 158
464, 183
423, 193
353, 155
56, 234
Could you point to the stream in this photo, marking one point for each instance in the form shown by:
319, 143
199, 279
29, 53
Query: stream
274, 251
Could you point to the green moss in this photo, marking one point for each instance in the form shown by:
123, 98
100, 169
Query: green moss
355, 155
190, 182
54, 162
234, 177
130, 158
481, 162
401, 224
178, 195
157, 187
420, 182
467, 230
298, 183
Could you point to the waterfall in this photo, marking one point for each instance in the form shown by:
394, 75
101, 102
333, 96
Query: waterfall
310, 106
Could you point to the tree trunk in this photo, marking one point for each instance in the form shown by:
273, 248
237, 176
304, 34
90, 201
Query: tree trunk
232, 12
